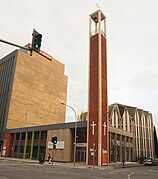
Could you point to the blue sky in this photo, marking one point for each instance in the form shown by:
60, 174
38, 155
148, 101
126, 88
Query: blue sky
132, 43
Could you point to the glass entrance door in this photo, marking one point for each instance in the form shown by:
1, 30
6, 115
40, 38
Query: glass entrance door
81, 154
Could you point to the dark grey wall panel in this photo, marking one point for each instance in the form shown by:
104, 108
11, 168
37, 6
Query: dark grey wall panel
7, 70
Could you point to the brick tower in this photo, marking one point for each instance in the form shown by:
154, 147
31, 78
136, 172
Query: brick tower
97, 134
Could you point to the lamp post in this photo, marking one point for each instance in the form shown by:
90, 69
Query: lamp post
75, 131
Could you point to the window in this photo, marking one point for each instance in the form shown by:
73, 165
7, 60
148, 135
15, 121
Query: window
113, 136
118, 137
16, 149
29, 135
123, 138
28, 149
17, 136
36, 135
131, 140
23, 136
43, 134
21, 149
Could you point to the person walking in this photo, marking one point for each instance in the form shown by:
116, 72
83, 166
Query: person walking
123, 163
49, 158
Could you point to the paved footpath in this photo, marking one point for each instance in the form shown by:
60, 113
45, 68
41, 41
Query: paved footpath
78, 164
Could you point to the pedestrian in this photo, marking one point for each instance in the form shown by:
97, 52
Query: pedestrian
123, 163
49, 157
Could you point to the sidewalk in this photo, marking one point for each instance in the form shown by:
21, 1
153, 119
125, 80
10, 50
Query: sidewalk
19, 159
126, 165
82, 165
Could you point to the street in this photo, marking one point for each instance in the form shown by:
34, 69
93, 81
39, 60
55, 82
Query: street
24, 170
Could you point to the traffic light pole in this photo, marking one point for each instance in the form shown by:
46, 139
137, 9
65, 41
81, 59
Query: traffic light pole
52, 156
10, 43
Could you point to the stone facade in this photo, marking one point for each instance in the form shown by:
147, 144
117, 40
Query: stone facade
39, 87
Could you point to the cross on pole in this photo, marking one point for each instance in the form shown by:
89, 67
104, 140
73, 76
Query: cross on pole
97, 6
104, 125
93, 125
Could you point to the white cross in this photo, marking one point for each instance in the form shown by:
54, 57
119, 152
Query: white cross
104, 125
93, 125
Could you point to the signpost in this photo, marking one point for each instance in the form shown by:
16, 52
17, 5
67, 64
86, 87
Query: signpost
93, 150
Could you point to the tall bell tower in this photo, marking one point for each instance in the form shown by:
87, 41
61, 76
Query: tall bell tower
97, 134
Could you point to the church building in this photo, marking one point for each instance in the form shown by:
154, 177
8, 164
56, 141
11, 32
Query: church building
33, 89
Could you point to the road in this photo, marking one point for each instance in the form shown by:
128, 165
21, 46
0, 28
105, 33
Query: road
23, 170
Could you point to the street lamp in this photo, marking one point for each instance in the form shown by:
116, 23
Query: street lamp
75, 131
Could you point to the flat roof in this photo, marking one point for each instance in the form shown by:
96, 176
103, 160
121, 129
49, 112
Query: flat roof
70, 125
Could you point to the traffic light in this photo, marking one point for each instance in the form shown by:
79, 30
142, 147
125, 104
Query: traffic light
54, 140
36, 40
